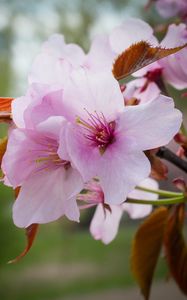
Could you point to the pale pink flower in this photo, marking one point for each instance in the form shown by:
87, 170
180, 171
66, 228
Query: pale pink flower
49, 184
107, 140
93, 194
171, 8
171, 69
41, 101
57, 59
145, 87
174, 66
105, 223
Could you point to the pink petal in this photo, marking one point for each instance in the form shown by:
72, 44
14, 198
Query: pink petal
48, 69
52, 126
152, 124
57, 47
88, 92
100, 56
47, 196
137, 210
174, 66
104, 226
170, 8
17, 162
54, 64
18, 107
119, 169
130, 32
47, 103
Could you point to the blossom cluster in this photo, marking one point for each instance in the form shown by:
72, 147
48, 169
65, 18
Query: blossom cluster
76, 140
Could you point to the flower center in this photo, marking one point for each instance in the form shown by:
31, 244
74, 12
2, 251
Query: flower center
97, 130
46, 156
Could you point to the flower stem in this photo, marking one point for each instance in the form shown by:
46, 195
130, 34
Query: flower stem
166, 194
168, 201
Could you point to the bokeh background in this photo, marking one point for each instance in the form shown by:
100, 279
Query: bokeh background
65, 262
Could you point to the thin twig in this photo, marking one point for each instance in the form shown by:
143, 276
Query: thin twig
168, 155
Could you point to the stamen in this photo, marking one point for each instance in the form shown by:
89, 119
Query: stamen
100, 132
46, 157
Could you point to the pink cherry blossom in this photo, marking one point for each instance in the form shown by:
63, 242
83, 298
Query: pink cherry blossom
40, 102
107, 140
49, 184
174, 66
105, 224
93, 195
171, 69
145, 87
57, 59
171, 8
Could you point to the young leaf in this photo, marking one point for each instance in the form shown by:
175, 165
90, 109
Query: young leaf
3, 145
5, 109
146, 249
31, 232
138, 56
176, 248
159, 170
5, 104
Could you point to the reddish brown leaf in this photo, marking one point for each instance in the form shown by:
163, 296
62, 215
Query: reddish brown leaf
159, 170
138, 56
5, 109
146, 248
176, 248
5, 104
3, 145
31, 232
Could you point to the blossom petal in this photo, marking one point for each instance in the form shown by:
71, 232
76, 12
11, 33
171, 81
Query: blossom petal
152, 124
104, 225
56, 46
16, 159
130, 32
18, 107
51, 127
174, 66
53, 65
46, 196
100, 56
118, 169
47, 103
136, 211
88, 92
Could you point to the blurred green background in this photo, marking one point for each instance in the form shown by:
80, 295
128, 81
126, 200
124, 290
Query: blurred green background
64, 260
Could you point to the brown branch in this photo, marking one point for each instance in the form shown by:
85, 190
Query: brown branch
168, 155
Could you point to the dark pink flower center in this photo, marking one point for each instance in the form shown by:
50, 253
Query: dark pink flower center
97, 130
152, 76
